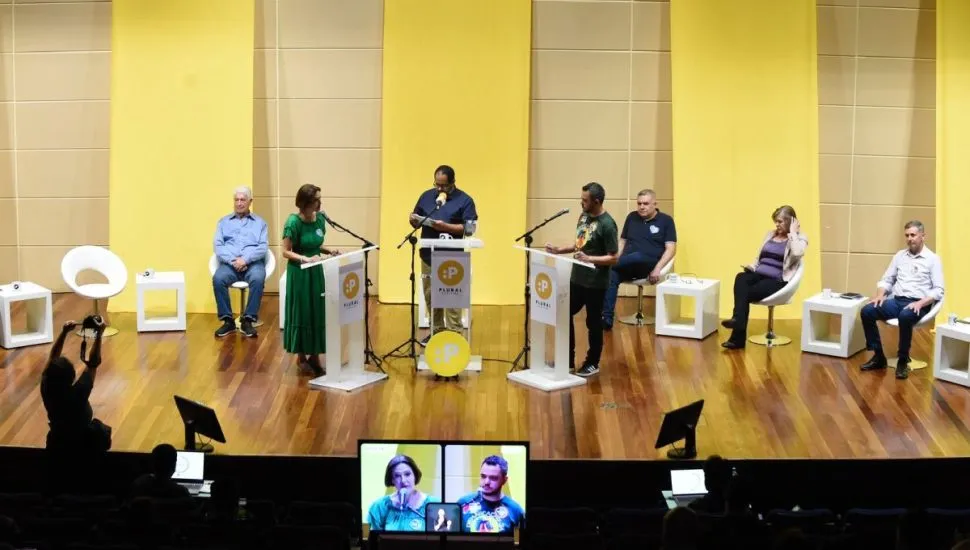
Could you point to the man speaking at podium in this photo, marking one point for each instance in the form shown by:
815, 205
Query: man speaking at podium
596, 243
449, 210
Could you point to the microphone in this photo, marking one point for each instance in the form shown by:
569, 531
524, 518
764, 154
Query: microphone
442, 197
403, 495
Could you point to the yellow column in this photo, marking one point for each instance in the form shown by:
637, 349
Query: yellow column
952, 144
456, 91
745, 133
181, 133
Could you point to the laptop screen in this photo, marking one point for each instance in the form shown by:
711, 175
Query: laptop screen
189, 466
687, 482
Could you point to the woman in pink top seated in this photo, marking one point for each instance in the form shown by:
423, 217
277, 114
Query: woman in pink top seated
781, 254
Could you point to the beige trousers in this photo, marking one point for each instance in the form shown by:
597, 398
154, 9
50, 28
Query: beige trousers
441, 319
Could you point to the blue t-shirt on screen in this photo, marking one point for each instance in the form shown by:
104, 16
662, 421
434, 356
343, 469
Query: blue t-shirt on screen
458, 209
648, 236
482, 516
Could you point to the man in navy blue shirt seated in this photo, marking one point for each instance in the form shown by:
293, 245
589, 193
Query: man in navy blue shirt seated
648, 242
454, 217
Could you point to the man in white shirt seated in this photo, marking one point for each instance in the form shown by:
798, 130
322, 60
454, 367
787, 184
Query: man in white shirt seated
907, 291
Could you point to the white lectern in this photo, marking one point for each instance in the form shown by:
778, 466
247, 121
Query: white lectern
550, 306
475, 361
343, 296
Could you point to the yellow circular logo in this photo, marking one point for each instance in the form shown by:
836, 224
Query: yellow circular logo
351, 285
543, 286
450, 272
447, 353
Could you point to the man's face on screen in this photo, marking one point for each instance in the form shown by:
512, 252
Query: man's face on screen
492, 480
402, 477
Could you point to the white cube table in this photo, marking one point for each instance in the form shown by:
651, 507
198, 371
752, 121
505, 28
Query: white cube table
817, 315
705, 293
164, 280
951, 356
40, 318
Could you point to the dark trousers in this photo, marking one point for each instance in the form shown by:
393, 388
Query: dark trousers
592, 300
635, 265
893, 308
750, 287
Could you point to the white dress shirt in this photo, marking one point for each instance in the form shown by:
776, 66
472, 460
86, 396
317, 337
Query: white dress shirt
916, 276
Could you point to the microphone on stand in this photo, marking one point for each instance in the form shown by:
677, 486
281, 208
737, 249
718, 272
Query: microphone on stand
402, 496
442, 197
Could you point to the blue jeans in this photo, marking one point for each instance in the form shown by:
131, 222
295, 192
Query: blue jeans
892, 308
226, 275
635, 265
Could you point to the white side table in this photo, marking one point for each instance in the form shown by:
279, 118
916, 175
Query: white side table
951, 356
818, 313
164, 280
40, 317
705, 293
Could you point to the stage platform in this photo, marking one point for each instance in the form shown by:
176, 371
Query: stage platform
760, 403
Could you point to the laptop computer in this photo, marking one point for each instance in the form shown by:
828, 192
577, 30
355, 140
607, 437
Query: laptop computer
687, 486
190, 472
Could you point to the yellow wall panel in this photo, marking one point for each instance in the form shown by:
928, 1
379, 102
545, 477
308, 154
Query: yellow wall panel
952, 143
181, 133
745, 133
456, 91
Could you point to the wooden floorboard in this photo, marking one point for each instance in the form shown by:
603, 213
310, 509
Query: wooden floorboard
760, 403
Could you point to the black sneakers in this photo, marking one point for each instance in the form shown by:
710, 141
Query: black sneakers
227, 328
587, 370
246, 327
876, 362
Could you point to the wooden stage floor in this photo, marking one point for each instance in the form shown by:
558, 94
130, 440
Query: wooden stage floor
760, 403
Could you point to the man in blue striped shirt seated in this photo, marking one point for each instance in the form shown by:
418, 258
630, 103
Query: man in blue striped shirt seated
240, 244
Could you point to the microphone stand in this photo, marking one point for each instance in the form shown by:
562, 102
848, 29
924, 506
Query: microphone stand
398, 352
524, 353
369, 355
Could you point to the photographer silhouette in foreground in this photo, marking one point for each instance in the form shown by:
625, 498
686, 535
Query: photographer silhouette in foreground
73, 429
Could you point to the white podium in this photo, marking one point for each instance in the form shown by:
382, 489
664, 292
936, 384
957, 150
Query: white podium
344, 297
40, 318
474, 361
549, 296
951, 356
817, 314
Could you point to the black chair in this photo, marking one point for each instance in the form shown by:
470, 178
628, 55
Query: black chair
818, 521
576, 541
294, 537
944, 526
872, 528
561, 521
630, 521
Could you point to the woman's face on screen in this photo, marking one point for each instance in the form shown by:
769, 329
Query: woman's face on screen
402, 476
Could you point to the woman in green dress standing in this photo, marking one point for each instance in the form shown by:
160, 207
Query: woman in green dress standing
304, 332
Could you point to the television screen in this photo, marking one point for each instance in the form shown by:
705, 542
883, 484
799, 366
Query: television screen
397, 482
488, 482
